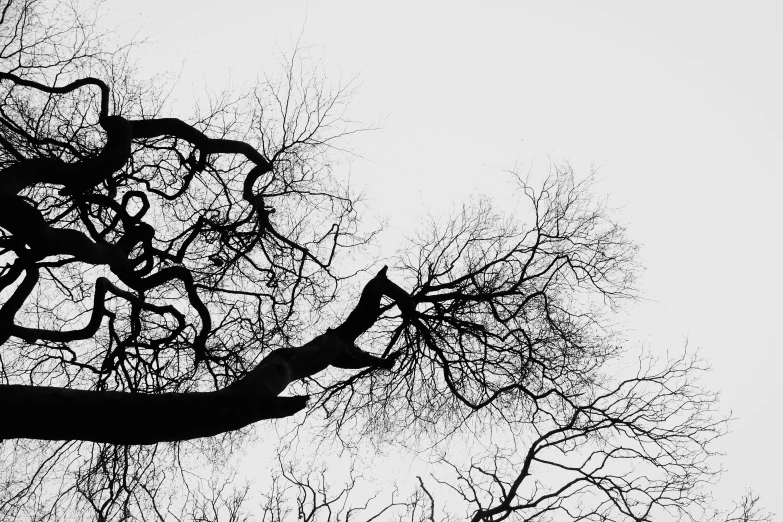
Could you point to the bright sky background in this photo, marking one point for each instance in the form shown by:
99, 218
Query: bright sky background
678, 105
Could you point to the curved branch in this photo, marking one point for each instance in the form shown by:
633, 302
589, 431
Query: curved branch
65, 88
184, 275
179, 129
102, 286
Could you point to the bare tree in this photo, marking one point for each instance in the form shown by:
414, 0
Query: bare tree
166, 280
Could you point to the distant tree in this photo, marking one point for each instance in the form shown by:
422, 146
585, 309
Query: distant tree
167, 279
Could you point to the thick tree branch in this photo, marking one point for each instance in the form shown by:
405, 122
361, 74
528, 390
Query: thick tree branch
179, 129
135, 418
65, 88
42, 412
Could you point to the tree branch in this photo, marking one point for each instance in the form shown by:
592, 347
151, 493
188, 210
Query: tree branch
47, 413
136, 418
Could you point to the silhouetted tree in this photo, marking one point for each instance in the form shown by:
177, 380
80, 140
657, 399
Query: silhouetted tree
166, 279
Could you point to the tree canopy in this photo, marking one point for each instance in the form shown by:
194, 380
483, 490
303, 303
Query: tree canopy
169, 277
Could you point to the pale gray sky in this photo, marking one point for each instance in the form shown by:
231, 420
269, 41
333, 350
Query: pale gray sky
677, 103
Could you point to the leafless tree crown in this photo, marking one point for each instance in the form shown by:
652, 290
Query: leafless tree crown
164, 280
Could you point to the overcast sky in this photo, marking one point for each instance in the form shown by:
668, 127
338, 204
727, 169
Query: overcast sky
677, 104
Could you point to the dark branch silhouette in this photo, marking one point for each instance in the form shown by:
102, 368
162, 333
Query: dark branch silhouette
166, 280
